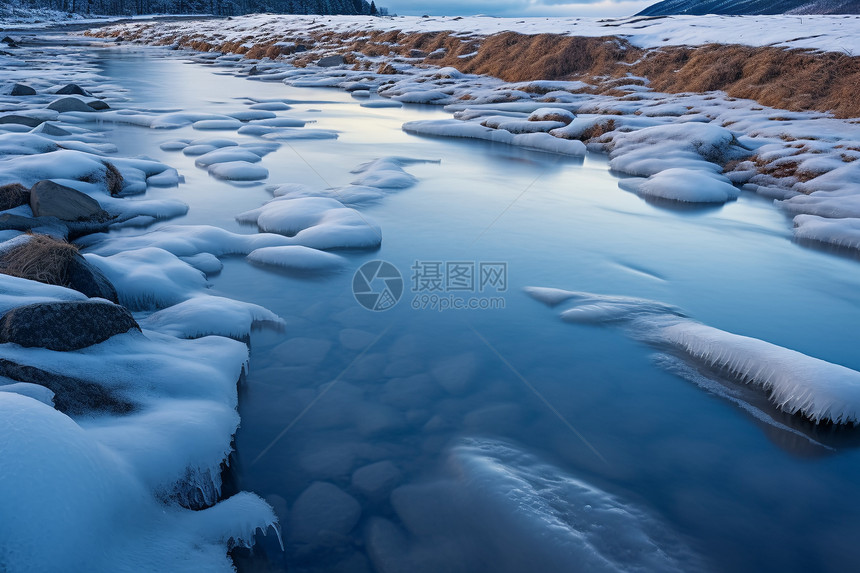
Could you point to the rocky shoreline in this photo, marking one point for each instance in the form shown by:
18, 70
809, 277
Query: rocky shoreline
79, 374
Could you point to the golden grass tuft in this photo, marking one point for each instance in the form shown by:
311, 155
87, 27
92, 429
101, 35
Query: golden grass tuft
13, 195
113, 178
41, 259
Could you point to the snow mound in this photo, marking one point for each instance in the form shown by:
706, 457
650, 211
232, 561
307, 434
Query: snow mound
183, 241
213, 124
225, 155
684, 185
474, 130
67, 498
149, 277
296, 257
289, 134
647, 151
316, 222
206, 315
386, 173
238, 171
837, 232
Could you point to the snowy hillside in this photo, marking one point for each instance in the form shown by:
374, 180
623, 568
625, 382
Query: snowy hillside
750, 7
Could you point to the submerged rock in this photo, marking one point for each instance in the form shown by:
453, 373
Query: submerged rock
22, 90
322, 514
13, 195
72, 396
65, 104
377, 480
65, 326
49, 199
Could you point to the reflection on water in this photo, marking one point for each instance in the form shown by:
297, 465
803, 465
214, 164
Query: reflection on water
343, 388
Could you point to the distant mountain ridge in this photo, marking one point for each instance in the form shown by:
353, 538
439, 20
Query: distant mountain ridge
751, 7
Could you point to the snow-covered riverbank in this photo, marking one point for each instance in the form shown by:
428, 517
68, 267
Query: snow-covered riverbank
146, 404
154, 422
687, 147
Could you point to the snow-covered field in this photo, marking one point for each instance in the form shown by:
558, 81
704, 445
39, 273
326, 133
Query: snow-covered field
826, 33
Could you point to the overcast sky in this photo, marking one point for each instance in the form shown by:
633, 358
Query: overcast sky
516, 8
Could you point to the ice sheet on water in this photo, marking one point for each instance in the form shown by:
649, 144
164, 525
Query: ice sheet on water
519, 513
794, 382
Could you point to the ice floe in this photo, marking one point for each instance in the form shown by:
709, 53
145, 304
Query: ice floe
794, 382
296, 257
519, 513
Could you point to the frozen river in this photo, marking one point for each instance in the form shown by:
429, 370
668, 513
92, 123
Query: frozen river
511, 440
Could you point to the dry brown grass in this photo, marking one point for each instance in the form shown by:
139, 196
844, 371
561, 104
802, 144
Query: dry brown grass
780, 169
13, 195
113, 179
796, 80
41, 259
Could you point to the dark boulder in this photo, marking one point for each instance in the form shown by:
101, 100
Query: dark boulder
89, 280
21, 119
13, 195
65, 104
72, 396
98, 105
22, 90
73, 89
331, 61
49, 199
10, 222
51, 129
65, 326
9, 41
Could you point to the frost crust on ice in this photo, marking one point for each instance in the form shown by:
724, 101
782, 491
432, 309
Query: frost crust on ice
520, 514
794, 382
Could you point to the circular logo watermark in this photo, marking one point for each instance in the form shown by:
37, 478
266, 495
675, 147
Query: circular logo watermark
377, 285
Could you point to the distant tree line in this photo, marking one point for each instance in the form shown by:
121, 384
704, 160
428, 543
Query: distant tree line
216, 7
